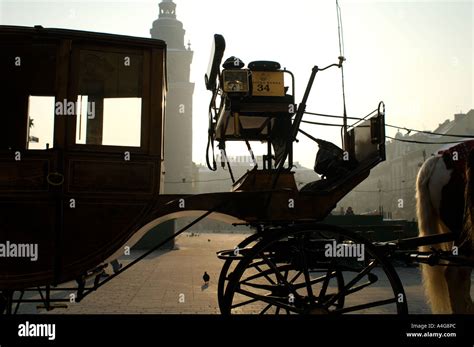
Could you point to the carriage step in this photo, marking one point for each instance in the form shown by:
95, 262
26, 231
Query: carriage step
94, 272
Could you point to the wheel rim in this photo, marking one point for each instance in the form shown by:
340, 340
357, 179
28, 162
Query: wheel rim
228, 267
285, 273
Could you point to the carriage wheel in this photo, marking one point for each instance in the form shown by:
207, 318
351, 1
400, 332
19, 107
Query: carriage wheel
292, 271
229, 266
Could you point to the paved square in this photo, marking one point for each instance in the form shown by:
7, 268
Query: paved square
171, 282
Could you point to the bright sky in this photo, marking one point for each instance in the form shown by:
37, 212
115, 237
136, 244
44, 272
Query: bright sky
417, 56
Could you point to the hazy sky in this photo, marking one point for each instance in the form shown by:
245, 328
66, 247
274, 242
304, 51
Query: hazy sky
417, 56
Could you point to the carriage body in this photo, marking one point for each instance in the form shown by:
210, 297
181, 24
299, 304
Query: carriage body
81, 187
92, 185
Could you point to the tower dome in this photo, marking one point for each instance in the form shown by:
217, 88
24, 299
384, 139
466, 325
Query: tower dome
167, 27
167, 9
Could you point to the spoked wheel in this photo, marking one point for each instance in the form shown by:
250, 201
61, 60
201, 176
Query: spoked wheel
313, 269
229, 266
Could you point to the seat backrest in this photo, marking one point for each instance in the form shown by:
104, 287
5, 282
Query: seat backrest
330, 160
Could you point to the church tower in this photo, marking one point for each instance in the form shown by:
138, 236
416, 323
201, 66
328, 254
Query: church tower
178, 134
179, 121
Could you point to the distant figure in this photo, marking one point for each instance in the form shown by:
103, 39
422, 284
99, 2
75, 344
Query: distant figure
206, 278
349, 211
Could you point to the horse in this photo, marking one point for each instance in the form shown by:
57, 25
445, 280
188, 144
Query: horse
444, 196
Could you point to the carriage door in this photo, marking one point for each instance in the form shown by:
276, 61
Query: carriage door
34, 78
111, 175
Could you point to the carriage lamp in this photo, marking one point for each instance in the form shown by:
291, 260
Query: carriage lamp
235, 81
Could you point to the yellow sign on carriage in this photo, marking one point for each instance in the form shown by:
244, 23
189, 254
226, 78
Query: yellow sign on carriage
268, 83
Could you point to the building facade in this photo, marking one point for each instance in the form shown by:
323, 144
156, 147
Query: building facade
390, 189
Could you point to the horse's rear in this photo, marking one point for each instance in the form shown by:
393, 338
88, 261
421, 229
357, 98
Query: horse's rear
444, 204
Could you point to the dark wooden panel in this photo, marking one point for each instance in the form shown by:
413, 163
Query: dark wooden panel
91, 233
27, 223
14, 120
24, 175
111, 177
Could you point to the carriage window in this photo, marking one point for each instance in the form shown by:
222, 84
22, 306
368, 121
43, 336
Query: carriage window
40, 122
120, 123
109, 104
28, 77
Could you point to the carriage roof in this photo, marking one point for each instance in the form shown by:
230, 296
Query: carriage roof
78, 35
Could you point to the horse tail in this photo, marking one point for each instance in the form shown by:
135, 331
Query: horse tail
427, 216
467, 234
429, 223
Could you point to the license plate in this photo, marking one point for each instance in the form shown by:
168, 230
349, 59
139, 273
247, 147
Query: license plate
268, 83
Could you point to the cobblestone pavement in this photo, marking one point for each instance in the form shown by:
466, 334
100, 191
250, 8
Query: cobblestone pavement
157, 284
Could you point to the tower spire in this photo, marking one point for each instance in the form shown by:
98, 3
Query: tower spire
167, 27
167, 9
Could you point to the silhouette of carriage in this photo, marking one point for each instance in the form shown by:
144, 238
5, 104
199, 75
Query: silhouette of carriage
91, 183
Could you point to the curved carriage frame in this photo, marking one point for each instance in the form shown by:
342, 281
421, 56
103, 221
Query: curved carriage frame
289, 238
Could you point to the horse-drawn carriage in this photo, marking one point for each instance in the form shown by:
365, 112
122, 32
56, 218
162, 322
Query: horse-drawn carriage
89, 187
